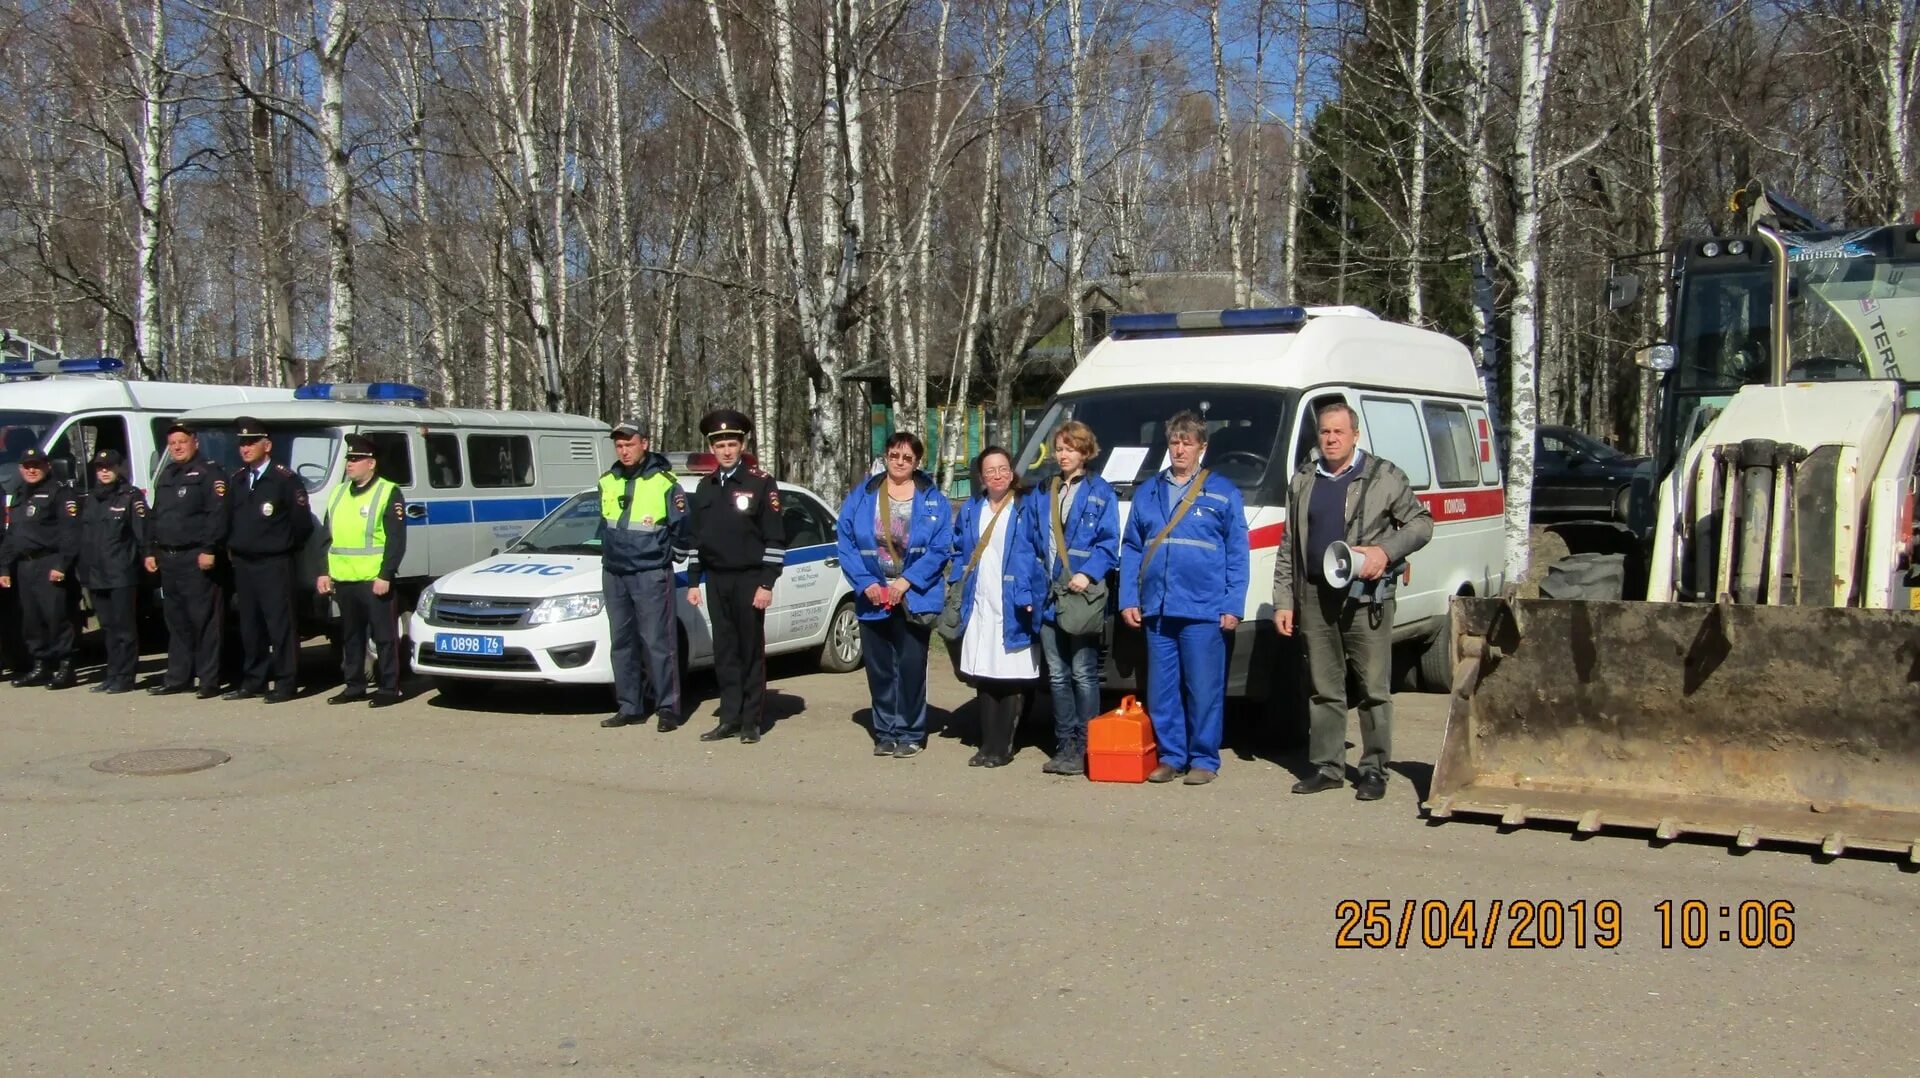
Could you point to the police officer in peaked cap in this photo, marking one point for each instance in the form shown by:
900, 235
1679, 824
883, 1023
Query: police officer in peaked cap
740, 545
113, 538
36, 559
642, 533
366, 530
271, 525
188, 529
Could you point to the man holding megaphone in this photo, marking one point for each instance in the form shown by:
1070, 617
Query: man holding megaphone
1352, 522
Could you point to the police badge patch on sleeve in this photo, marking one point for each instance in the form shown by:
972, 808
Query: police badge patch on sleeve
219, 488
773, 498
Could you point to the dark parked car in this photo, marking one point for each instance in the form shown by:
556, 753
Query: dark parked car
1579, 477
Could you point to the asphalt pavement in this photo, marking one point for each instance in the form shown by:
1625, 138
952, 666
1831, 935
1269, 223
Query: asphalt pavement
509, 889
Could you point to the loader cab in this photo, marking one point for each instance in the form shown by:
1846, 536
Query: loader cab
1854, 313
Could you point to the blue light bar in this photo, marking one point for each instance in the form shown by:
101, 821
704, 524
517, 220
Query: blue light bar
1249, 319
378, 392
44, 367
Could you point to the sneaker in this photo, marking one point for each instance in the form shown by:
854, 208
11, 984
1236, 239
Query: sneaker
1319, 783
1371, 787
883, 748
907, 750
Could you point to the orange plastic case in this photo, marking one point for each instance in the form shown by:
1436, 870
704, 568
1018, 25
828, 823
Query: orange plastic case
1120, 745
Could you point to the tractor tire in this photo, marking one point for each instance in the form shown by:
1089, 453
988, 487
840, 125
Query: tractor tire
1587, 577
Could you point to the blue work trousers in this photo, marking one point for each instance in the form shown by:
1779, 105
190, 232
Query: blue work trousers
1073, 673
646, 641
896, 654
1186, 690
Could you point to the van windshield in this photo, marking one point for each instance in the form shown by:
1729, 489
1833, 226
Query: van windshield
1244, 444
309, 452
21, 431
574, 528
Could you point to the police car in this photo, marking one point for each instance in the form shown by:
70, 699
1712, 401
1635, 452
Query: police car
533, 612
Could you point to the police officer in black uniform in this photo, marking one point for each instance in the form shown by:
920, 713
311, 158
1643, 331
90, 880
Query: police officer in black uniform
189, 526
15, 660
37, 558
113, 538
270, 527
740, 546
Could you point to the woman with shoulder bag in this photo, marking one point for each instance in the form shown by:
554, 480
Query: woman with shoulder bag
894, 537
994, 582
1078, 542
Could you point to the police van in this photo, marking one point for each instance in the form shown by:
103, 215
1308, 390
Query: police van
533, 612
473, 480
73, 408
1257, 377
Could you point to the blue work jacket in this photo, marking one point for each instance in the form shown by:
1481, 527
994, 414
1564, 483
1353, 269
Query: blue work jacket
929, 543
1200, 570
1091, 525
1023, 579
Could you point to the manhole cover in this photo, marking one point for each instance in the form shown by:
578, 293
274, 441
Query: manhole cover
161, 761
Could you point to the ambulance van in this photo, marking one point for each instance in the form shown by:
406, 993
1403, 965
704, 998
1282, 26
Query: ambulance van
1256, 378
73, 408
474, 480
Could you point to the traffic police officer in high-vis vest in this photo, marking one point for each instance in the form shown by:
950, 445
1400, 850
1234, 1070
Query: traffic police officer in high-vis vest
642, 533
189, 526
739, 546
366, 538
36, 558
113, 536
271, 524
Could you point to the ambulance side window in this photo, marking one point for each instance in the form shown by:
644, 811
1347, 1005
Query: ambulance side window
500, 460
1392, 429
1455, 457
394, 451
443, 461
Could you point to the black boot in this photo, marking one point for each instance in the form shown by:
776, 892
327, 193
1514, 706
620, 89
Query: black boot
63, 676
38, 674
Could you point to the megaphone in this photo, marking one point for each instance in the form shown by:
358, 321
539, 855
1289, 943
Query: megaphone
1337, 566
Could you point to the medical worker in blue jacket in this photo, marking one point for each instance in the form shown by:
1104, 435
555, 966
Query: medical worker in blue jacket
1089, 514
997, 568
895, 534
1187, 591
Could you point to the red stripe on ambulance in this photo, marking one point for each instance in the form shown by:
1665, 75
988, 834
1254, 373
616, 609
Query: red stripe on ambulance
1465, 505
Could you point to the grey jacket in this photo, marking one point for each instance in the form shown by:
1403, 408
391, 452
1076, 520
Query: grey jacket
1381, 511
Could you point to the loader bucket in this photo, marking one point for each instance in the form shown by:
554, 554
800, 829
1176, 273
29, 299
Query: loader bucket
1791, 724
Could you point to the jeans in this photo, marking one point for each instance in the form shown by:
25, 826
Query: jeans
896, 652
1073, 673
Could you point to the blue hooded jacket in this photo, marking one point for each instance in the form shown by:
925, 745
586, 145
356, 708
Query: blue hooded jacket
1091, 525
1023, 579
1200, 571
929, 544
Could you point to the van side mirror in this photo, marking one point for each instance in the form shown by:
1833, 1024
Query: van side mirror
1655, 357
1623, 290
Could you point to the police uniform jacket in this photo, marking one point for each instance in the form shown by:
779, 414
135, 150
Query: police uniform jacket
929, 545
1023, 579
1200, 570
40, 521
270, 515
737, 525
630, 545
113, 536
189, 507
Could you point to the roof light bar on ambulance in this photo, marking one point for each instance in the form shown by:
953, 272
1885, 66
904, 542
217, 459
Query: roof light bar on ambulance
1174, 324
376, 392
43, 368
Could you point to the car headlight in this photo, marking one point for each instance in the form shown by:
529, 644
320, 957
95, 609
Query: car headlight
566, 608
423, 606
